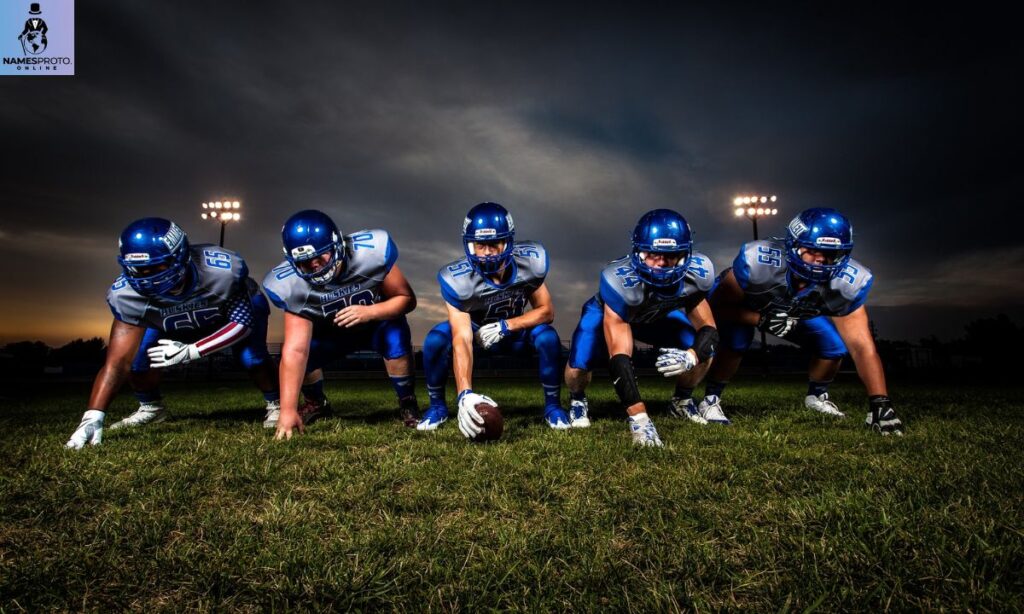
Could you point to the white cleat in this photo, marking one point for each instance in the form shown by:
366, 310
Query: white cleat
644, 434
685, 408
147, 413
273, 413
823, 404
710, 409
578, 414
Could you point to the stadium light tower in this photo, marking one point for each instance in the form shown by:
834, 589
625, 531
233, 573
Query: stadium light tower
753, 207
222, 212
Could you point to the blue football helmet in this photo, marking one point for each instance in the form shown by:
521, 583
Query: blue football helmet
488, 222
823, 230
307, 235
662, 231
155, 257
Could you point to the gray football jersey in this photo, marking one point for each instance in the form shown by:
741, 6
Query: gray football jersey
218, 273
466, 290
636, 302
369, 256
762, 271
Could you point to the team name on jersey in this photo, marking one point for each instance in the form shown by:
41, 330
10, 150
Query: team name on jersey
340, 292
182, 308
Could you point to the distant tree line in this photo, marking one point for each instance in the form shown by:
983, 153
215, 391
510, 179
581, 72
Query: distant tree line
988, 344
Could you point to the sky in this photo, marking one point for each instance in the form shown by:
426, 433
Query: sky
577, 117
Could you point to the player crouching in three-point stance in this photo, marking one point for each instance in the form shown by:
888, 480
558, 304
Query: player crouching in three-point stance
807, 290
174, 304
340, 294
486, 294
644, 296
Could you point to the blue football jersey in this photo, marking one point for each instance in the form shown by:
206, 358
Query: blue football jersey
369, 256
217, 274
466, 290
636, 302
761, 270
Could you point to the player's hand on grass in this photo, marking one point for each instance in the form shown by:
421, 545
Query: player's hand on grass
674, 361
287, 423
168, 352
353, 315
778, 323
89, 431
471, 423
489, 334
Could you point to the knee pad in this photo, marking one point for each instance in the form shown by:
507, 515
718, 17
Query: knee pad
705, 343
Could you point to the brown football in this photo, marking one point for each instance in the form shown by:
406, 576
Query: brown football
494, 424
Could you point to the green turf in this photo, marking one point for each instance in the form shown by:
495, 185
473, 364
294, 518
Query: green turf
784, 510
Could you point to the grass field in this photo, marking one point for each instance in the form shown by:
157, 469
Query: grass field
784, 510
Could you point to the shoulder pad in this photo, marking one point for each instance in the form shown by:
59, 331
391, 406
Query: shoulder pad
701, 272
126, 304
370, 254
759, 263
531, 259
457, 280
853, 283
285, 289
620, 286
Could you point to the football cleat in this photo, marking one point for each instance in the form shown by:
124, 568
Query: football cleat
710, 409
273, 413
311, 411
556, 418
409, 415
882, 417
578, 414
147, 413
685, 408
644, 433
434, 417
823, 404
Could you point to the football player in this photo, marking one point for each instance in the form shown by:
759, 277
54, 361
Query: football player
807, 290
486, 293
340, 294
657, 295
172, 304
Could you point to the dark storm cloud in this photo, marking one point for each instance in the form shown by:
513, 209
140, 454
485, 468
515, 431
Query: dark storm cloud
579, 120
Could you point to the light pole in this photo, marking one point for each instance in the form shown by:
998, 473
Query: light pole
222, 211
753, 207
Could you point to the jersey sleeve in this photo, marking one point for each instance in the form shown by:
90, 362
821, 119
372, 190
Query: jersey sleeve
282, 288
854, 284
371, 253
454, 281
125, 304
621, 289
533, 260
701, 273
758, 264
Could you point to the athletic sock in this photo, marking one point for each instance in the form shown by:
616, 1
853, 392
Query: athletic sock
683, 392
816, 389
714, 389
314, 392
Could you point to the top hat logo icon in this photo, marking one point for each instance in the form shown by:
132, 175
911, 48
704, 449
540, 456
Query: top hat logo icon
33, 9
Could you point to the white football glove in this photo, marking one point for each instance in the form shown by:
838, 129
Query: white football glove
168, 353
779, 323
489, 334
674, 361
471, 423
90, 430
